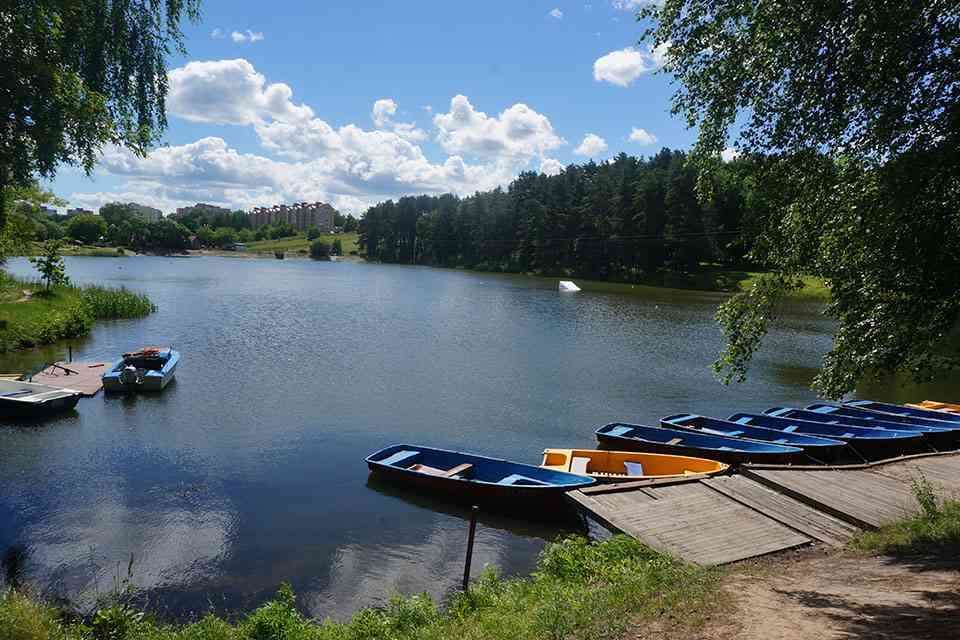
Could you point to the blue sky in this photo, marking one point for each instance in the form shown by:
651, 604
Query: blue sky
352, 103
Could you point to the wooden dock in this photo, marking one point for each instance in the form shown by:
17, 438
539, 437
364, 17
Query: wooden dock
81, 376
761, 510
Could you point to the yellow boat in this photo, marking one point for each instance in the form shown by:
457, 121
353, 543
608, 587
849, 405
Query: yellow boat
617, 466
949, 407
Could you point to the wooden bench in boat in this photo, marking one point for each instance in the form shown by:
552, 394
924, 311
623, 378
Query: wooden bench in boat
441, 473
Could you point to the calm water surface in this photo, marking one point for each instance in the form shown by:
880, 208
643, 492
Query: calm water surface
247, 471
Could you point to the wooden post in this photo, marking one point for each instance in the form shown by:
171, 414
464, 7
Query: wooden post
470, 536
69, 353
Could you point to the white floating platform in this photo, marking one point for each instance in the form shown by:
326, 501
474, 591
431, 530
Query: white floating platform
568, 285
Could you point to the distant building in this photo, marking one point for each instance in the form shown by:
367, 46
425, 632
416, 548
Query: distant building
78, 211
147, 213
201, 209
300, 215
48, 211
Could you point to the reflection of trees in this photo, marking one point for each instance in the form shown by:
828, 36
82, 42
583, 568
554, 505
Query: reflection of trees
12, 565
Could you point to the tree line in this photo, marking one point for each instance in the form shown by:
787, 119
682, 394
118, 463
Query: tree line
624, 219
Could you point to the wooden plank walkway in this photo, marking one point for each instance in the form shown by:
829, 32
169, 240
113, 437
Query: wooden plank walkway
689, 520
82, 376
760, 510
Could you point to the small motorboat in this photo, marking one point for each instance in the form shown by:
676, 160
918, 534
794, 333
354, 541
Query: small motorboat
934, 435
689, 443
820, 447
148, 369
904, 411
30, 399
868, 442
619, 466
936, 405
472, 476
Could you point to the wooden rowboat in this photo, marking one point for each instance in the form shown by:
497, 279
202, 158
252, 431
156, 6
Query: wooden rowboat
472, 476
620, 466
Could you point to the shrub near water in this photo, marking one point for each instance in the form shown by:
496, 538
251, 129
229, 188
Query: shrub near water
580, 590
110, 304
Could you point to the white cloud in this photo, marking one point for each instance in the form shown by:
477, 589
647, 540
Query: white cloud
592, 146
518, 133
626, 65
383, 110
217, 33
729, 154
642, 136
556, 13
246, 36
230, 92
551, 166
428, 108
382, 114
633, 5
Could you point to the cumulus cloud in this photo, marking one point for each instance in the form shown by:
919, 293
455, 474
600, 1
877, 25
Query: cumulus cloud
217, 33
518, 133
642, 136
551, 166
230, 92
556, 13
241, 37
382, 115
624, 66
592, 146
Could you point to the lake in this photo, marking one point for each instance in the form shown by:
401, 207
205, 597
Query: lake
248, 470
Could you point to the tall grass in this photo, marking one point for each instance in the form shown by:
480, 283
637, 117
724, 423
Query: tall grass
580, 590
105, 303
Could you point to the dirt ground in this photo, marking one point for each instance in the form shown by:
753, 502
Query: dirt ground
826, 595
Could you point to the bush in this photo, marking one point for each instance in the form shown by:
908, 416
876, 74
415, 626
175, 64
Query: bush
86, 228
313, 233
319, 250
110, 304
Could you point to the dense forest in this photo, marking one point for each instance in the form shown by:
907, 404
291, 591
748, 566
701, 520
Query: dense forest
625, 219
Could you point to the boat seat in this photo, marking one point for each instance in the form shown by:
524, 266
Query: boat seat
718, 432
618, 431
441, 473
517, 479
791, 428
398, 457
675, 441
634, 468
579, 465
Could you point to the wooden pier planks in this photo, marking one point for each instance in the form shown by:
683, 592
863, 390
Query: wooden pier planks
783, 509
858, 496
83, 376
691, 521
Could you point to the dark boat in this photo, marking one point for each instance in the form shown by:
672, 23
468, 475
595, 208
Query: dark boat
32, 400
868, 442
690, 443
471, 476
907, 423
935, 436
906, 412
819, 447
148, 369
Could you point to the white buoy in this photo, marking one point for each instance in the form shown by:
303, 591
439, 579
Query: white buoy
569, 286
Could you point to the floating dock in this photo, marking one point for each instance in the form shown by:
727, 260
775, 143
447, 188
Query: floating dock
764, 509
80, 376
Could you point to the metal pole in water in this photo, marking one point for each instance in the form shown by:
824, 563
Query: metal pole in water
473, 531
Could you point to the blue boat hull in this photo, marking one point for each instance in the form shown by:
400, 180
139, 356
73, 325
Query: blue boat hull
906, 412
938, 437
151, 380
488, 481
729, 450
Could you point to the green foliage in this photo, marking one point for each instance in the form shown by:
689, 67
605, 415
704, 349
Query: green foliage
50, 265
937, 524
857, 166
319, 250
350, 225
313, 233
78, 75
87, 228
281, 230
106, 303
337, 247
225, 237
581, 590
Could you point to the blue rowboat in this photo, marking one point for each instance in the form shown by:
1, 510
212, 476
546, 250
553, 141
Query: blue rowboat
634, 437
906, 423
819, 447
148, 369
933, 435
867, 441
906, 412
469, 475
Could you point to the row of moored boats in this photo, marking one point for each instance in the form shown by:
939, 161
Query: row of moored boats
686, 445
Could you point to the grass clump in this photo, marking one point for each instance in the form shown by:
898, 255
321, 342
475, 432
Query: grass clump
936, 524
580, 590
106, 303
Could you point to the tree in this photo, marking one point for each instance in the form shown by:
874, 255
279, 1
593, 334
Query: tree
350, 224
282, 230
50, 265
337, 248
319, 250
117, 212
313, 233
206, 236
168, 235
87, 228
854, 110
225, 237
79, 75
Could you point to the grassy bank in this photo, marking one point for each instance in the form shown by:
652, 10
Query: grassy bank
580, 590
34, 249
31, 316
300, 244
936, 524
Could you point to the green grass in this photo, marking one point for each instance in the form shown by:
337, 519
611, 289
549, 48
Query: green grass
299, 243
936, 525
580, 590
84, 250
41, 317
